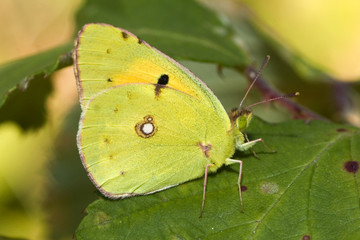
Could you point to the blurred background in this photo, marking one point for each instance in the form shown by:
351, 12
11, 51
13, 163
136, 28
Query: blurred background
43, 187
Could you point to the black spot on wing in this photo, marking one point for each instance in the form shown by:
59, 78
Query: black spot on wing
124, 35
163, 80
109, 80
140, 41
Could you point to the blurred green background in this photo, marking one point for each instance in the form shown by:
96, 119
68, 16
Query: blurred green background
43, 186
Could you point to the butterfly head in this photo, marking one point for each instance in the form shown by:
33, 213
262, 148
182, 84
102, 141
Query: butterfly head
240, 118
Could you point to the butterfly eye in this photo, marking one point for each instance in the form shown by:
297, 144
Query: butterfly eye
146, 128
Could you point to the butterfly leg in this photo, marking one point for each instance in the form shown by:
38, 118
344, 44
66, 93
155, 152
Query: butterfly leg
252, 150
247, 145
204, 191
230, 161
266, 146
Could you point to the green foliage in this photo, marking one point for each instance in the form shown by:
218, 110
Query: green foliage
290, 194
25, 85
17, 74
31, 101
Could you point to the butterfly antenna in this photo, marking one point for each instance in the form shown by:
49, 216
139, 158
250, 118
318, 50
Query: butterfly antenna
267, 59
275, 98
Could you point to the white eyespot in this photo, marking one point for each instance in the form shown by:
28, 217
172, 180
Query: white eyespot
147, 128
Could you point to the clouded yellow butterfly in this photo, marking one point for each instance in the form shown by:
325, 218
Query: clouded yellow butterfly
147, 122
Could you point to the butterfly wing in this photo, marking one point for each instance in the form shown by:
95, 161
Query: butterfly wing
106, 56
137, 139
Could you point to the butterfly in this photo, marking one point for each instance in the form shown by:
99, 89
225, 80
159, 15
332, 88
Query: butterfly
147, 122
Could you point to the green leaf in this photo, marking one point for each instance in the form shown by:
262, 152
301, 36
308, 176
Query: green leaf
25, 85
27, 108
310, 186
17, 74
183, 29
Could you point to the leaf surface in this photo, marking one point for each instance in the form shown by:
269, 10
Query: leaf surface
308, 187
18, 74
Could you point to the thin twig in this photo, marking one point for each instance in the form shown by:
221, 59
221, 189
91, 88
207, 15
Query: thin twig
298, 111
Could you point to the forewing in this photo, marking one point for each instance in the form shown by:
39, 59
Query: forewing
106, 56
